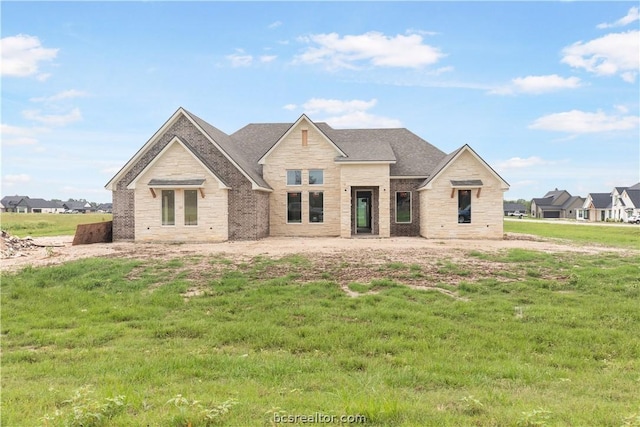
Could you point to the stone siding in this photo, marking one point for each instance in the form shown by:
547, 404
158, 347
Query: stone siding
290, 154
212, 223
439, 211
365, 176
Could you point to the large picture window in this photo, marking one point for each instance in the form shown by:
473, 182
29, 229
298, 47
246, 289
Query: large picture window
294, 208
316, 206
294, 177
403, 207
464, 206
168, 207
190, 207
316, 177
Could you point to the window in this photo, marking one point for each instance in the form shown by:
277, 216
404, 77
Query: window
316, 206
464, 206
403, 207
168, 207
190, 207
294, 177
294, 208
316, 177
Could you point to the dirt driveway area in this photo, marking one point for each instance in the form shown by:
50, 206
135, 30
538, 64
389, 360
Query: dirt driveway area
57, 250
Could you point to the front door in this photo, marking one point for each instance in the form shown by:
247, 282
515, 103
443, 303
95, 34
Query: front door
363, 211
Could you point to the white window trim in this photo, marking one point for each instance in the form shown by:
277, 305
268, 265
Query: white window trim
287, 178
309, 177
175, 197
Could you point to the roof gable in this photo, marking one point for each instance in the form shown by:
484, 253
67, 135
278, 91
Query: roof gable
302, 119
451, 158
598, 200
218, 138
189, 149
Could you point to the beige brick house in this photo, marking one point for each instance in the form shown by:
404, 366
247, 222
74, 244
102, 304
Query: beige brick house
193, 182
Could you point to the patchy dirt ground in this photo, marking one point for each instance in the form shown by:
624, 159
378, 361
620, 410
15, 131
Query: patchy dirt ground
57, 250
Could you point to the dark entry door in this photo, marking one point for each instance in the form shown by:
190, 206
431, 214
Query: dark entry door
363, 211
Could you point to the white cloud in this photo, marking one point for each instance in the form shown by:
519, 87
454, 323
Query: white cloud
53, 119
375, 48
632, 16
537, 85
11, 180
240, 59
67, 94
275, 24
290, 107
580, 122
346, 114
520, 163
14, 135
615, 53
267, 58
22, 54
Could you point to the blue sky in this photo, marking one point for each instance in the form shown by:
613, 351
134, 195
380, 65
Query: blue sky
546, 92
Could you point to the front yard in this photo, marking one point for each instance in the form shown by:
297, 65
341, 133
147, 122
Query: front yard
426, 333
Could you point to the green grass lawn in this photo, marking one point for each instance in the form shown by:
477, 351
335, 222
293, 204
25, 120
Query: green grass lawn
45, 224
627, 235
533, 339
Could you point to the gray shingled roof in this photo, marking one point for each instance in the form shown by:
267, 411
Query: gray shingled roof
634, 195
413, 156
601, 200
232, 149
571, 200
42, 204
543, 201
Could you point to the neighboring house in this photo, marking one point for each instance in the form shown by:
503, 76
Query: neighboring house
556, 204
78, 206
17, 204
597, 207
43, 206
193, 182
625, 201
510, 208
104, 207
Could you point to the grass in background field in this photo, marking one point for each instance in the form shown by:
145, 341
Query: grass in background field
116, 342
627, 235
47, 224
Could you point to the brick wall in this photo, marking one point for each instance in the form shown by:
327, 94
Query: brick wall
410, 185
244, 223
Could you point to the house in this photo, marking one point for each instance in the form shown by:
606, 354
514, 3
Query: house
17, 204
43, 206
78, 206
597, 207
625, 201
510, 208
556, 204
191, 181
104, 207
